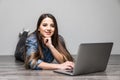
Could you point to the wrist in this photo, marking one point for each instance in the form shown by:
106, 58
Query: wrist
51, 46
58, 66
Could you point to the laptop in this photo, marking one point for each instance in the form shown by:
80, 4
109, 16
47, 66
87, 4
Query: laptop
91, 58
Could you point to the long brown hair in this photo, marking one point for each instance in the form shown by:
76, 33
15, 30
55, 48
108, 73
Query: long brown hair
57, 41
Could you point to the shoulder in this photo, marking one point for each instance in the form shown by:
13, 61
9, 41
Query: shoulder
32, 38
60, 37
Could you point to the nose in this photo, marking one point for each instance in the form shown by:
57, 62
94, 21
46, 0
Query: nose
48, 28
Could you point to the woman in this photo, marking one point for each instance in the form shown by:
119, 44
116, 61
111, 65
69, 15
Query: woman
44, 45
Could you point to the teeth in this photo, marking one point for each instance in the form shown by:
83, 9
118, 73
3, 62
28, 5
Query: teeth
48, 32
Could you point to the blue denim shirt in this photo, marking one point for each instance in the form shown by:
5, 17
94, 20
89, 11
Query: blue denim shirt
32, 47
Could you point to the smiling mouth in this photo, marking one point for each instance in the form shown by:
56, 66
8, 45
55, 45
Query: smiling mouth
48, 33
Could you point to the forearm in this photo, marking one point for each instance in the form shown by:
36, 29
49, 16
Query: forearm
57, 55
48, 66
51, 66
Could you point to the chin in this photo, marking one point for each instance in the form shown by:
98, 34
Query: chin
47, 36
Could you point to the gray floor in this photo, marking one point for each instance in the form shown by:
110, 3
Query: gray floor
10, 69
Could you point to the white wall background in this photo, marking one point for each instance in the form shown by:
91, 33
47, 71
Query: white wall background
78, 21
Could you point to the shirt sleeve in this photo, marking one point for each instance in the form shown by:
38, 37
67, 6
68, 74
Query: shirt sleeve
32, 47
35, 66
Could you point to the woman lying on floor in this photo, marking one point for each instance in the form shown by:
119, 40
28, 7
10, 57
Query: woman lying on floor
44, 45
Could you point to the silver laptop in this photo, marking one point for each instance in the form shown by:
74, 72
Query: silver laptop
91, 57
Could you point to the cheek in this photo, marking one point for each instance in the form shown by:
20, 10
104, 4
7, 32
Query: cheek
53, 29
40, 29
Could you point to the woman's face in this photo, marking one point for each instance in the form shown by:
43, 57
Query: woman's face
47, 27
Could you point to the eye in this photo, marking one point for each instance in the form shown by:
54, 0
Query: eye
44, 24
52, 25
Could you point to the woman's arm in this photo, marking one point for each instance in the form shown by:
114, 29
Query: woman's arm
50, 66
57, 55
41, 65
61, 56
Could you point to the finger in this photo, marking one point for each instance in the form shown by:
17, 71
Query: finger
69, 68
46, 40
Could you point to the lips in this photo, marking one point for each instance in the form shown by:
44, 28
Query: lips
48, 33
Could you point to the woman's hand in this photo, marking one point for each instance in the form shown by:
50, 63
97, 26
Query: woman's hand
68, 65
48, 42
